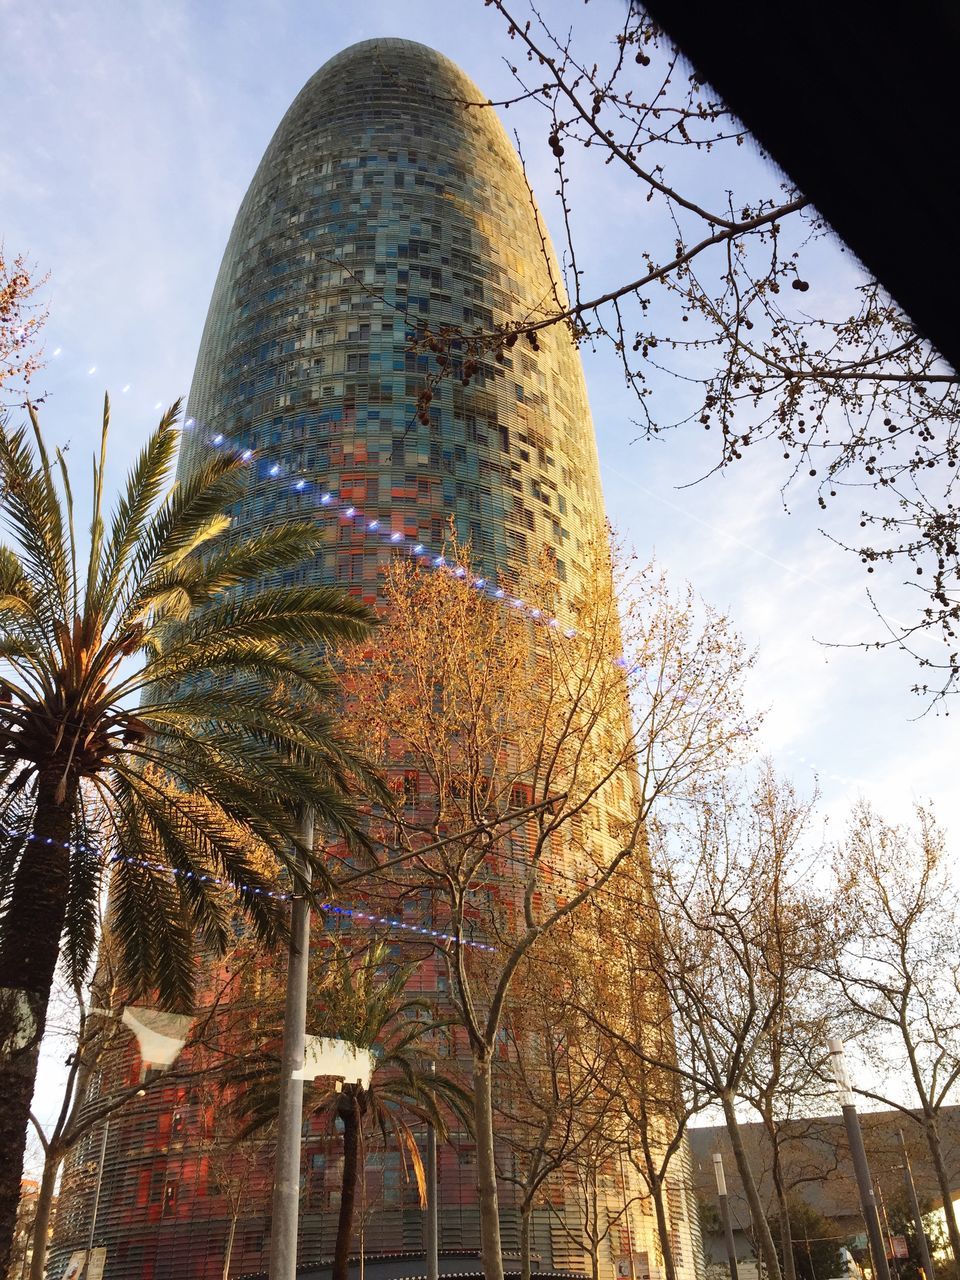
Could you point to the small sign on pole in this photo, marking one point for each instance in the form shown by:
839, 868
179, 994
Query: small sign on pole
336, 1058
95, 1260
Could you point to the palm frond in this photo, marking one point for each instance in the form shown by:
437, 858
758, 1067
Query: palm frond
259, 784
143, 490
200, 842
279, 616
34, 520
191, 508
96, 515
17, 595
155, 951
71, 530
81, 925
204, 577
16, 823
363, 1000
236, 733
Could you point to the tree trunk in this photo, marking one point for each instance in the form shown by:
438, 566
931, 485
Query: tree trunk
783, 1207
41, 1222
491, 1255
28, 959
228, 1247
525, 1223
786, 1243
654, 1177
350, 1115
768, 1250
932, 1131
663, 1228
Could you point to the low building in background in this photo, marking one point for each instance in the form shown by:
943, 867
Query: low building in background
820, 1182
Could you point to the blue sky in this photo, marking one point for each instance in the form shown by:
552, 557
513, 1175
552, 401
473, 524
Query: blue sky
130, 131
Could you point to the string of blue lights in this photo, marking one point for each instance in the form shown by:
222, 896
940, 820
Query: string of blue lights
370, 525
377, 528
502, 854
352, 912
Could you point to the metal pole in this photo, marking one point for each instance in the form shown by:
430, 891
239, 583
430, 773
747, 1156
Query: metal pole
888, 1234
868, 1202
431, 1226
91, 1235
725, 1214
925, 1260
286, 1177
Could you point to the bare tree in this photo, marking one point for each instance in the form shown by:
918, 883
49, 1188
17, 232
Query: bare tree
659, 1103
559, 1080
786, 1075
594, 1171
622, 996
519, 774
239, 1162
736, 938
901, 971
717, 312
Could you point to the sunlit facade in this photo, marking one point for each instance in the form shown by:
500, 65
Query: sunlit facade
384, 205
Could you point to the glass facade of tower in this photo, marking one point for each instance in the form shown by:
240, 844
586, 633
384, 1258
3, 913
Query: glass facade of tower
384, 205
385, 208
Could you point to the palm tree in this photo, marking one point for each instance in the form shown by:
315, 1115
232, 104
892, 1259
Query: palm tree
366, 1003
153, 674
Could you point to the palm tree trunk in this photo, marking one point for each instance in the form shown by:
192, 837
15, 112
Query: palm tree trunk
41, 1221
491, 1254
28, 960
768, 1250
932, 1131
348, 1189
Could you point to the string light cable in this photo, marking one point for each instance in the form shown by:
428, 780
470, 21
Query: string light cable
280, 895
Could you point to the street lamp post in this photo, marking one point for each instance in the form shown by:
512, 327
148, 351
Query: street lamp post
160, 1037
286, 1178
725, 1214
868, 1201
431, 1226
91, 1236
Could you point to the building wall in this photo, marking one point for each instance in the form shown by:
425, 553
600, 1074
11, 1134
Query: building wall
384, 206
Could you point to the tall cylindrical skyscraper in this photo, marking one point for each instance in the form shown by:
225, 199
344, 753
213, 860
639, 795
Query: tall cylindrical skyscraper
385, 206
389, 207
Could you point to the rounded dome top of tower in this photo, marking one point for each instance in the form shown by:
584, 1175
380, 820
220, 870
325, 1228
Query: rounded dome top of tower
364, 50
388, 82
389, 212
384, 53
